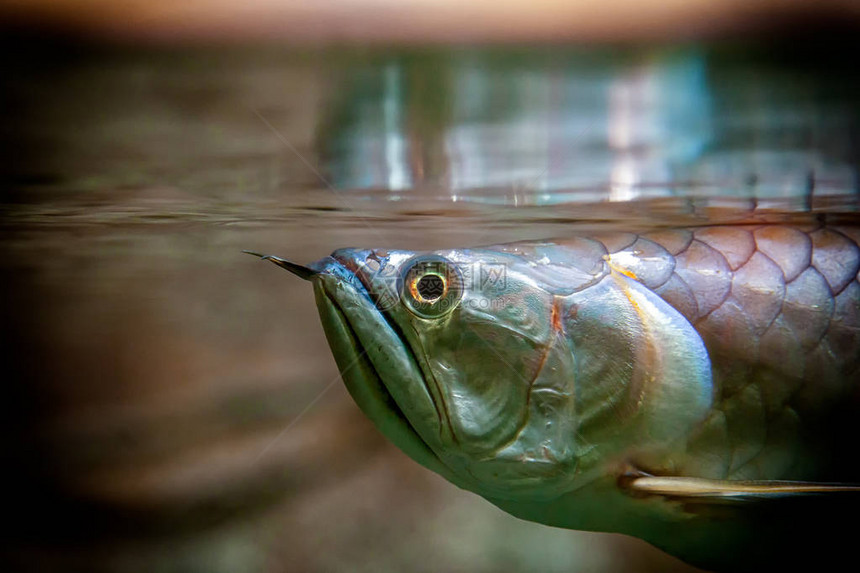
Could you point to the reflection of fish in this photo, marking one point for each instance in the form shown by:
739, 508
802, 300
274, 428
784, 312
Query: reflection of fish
656, 385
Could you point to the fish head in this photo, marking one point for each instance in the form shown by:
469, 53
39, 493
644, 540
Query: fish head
461, 358
517, 372
441, 363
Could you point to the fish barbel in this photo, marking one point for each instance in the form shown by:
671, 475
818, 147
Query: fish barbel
695, 388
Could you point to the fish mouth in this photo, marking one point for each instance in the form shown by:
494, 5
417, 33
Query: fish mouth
363, 343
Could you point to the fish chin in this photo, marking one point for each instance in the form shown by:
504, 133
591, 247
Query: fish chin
378, 369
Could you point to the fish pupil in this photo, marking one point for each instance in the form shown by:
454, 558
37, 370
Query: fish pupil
430, 287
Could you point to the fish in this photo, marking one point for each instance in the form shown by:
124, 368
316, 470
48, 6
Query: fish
693, 387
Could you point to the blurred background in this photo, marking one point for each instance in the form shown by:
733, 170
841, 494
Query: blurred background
171, 404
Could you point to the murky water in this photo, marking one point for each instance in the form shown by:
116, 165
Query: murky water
172, 404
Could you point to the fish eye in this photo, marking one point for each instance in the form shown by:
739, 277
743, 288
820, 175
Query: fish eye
431, 286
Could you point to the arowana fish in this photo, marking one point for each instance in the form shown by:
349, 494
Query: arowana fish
697, 388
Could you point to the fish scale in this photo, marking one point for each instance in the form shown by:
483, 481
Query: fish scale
779, 311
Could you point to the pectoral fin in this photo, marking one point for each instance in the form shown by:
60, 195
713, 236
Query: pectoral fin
699, 490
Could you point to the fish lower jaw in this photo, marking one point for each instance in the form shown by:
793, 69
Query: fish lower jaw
366, 386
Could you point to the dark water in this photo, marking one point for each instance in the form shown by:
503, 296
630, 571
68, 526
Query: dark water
171, 403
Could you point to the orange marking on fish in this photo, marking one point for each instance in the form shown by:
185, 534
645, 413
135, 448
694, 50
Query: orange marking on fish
555, 317
625, 289
619, 269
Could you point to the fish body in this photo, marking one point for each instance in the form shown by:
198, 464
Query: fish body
682, 386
